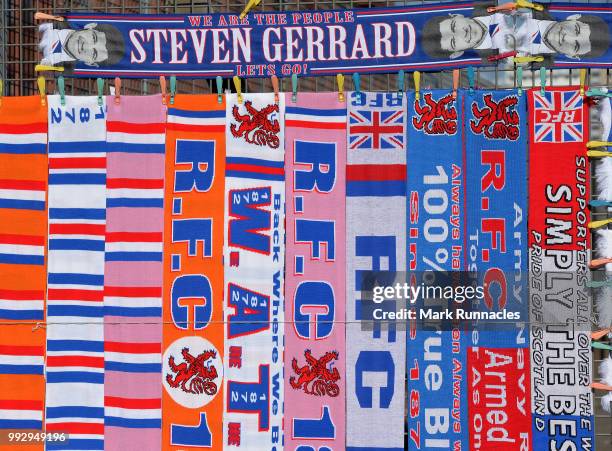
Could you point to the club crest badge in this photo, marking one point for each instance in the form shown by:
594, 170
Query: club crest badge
318, 377
259, 127
192, 371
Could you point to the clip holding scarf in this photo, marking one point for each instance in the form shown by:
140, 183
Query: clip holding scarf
599, 283
248, 7
542, 80
357, 83
599, 334
117, 90
294, 87
598, 154
519, 80
600, 223
599, 262
583, 74
44, 16
400, 83
163, 89
43, 68
172, 88
596, 92
340, 79
512, 6
275, 88
596, 144
61, 89
501, 56
238, 86
471, 75
100, 83
455, 83
42, 89
528, 59
417, 84
600, 203
219, 89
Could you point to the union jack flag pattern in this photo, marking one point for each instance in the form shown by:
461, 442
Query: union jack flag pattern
375, 129
557, 116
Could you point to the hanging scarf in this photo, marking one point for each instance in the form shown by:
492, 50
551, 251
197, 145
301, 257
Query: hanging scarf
438, 416
254, 262
559, 253
315, 286
77, 218
133, 272
376, 237
23, 228
193, 274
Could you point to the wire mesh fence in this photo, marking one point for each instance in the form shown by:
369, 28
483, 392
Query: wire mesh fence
19, 54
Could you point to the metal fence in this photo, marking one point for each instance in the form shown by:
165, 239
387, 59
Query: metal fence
19, 54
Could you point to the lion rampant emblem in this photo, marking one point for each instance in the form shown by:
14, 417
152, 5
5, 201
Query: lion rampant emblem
195, 375
255, 126
322, 379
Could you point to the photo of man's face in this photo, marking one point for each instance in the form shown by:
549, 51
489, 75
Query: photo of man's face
570, 37
459, 33
88, 45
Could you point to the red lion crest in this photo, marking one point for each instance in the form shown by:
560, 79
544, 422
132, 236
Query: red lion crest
195, 375
316, 371
255, 126
496, 120
436, 117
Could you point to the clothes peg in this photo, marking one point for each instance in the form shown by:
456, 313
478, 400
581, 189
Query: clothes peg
603, 346
100, 83
219, 89
163, 88
250, 5
44, 16
455, 83
596, 144
600, 386
599, 334
501, 56
583, 74
596, 92
598, 154
340, 79
42, 89
599, 262
274, 80
172, 88
528, 59
43, 68
512, 6
61, 88
117, 90
519, 80
238, 86
294, 87
600, 223
542, 80
599, 283
417, 84
357, 82
600, 203
400, 83
470, 76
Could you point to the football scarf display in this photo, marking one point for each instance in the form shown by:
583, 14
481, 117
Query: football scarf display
75, 290
317, 43
438, 416
376, 192
559, 253
315, 284
193, 369
133, 272
254, 263
23, 229
495, 237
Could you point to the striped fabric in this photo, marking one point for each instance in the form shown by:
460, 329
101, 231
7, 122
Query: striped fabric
23, 224
135, 135
77, 217
193, 274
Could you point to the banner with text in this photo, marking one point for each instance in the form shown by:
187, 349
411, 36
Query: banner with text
313, 43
